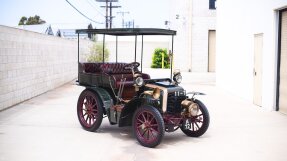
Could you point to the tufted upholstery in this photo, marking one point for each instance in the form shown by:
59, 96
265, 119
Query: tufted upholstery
91, 67
109, 68
114, 70
129, 79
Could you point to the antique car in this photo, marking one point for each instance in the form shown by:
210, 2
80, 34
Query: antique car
128, 97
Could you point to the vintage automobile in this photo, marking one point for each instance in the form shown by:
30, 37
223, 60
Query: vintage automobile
129, 97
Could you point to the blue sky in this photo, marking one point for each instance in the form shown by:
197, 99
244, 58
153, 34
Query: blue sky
146, 13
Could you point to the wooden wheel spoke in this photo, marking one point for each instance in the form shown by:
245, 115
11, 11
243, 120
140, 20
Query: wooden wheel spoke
94, 105
197, 120
95, 110
199, 115
86, 119
85, 104
90, 118
85, 114
148, 116
152, 135
93, 113
143, 132
141, 121
154, 125
139, 125
144, 117
152, 129
151, 119
87, 100
148, 131
196, 125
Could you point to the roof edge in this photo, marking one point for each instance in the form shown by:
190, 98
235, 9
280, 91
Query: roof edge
128, 31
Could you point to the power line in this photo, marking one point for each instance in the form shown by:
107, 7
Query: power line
95, 8
83, 14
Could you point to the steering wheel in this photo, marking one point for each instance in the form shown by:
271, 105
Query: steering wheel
132, 65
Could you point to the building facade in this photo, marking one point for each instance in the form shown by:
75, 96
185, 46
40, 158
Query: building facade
252, 51
195, 22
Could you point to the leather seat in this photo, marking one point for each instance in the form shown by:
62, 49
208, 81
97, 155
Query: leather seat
114, 70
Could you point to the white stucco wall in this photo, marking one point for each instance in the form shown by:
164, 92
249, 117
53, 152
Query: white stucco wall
180, 18
203, 20
191, 43
237, 22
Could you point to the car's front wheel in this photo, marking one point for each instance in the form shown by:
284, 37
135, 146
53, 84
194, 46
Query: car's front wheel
148, 126
196, 125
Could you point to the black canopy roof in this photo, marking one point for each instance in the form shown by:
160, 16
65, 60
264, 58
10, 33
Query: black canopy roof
128, 31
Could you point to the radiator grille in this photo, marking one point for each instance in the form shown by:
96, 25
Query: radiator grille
174, 102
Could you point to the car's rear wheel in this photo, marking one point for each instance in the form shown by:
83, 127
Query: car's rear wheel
197, 125
148, 126
89, 110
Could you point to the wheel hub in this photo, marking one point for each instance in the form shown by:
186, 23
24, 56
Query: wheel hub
145, 125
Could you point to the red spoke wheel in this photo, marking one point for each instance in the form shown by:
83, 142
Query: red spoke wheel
198, 124
89, 110
148, 126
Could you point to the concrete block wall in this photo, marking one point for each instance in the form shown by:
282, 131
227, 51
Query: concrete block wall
33, 63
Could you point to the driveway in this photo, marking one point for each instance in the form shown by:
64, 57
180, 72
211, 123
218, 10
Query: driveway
46, 128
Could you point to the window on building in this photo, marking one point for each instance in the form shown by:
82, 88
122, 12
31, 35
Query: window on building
212, 4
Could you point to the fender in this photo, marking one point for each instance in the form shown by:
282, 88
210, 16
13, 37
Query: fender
106, 99
129, 109
194, 94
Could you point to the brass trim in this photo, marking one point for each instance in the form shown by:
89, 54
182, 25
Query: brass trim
165, 95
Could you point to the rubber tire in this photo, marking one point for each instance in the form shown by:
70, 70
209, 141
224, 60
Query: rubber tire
159, 120
205, 123
98, 122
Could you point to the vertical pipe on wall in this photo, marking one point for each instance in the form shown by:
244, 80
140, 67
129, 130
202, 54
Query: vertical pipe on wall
278, 61
171, 60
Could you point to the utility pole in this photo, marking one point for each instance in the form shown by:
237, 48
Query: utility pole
109, 6
130, 24
107, 15
111, 16
123, 17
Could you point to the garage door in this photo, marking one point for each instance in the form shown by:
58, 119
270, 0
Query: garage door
283, 64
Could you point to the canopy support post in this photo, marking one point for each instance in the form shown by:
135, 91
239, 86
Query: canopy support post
104, 47
78, 54
171, 55
116, 49
142, 56
136, 48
